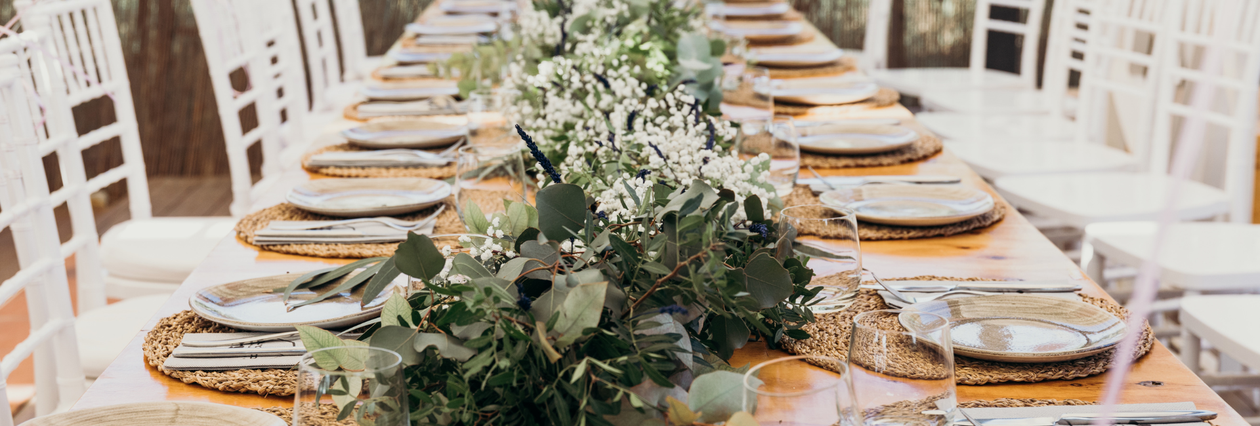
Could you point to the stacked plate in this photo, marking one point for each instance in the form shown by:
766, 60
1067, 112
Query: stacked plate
464, 24
416, 133
476, 6
802, 55
911, 205
1024, 328
824, 90
254, 304
855, 138
368, 197
747, 10
760, 31
408, 89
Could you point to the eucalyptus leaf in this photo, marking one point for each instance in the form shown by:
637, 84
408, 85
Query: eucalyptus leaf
474, 220
330, 275
718, 395
729, 334
547, 253
447, 346
529, 234
314, 339
347, 285
521, 216
561, 210
463, 264
419, 258
767, 281
580, 310
397, 339
385, 276
396, 307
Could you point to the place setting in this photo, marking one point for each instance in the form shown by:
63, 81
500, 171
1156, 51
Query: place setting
393, 147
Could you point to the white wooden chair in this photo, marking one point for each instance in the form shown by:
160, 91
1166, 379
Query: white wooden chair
1085, 199
1122, 61
874, 53
144, 255
1199, 257
916, 81
26, 209
331, 87
235, 41
1227, 323
1069, 33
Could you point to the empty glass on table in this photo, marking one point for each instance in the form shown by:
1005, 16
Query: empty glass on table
901, 364
489, 175
802, 390
365, 384
771, 139
746, 92
829, 236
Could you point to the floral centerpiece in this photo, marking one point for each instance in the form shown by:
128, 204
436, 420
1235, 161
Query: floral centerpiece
647, 259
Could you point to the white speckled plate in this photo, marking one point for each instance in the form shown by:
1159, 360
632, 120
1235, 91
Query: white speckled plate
817, 91
162, 413
353, 197
254, 305
911, 205
1024, 328
417, 133
760, 31
855, 138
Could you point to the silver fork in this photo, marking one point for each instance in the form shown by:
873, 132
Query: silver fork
922, 299
399, 224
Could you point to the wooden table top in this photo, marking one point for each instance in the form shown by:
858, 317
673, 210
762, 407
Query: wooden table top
1011, 249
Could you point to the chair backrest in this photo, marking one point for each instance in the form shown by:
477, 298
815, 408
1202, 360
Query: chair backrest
26, 209
84, 37
231, 37
1029, 30
875, 41
279, 32
1123, 59
320, 38
1212, 45
1065, 50
353, 42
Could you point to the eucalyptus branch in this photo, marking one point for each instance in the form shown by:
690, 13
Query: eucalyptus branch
671, 275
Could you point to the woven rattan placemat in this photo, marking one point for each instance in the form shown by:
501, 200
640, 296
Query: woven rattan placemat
448, 223
169, 331
327, 416
829, 336
799, 38
375, 172
927, 146
884, 97
802, 195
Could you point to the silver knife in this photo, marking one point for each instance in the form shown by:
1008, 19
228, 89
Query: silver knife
989, 286
1118, 418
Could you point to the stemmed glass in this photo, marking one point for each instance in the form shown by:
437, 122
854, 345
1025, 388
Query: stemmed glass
776, 138
487, 121
901, 364
836, 258
365, 384
488, 175
746, 92
787, 391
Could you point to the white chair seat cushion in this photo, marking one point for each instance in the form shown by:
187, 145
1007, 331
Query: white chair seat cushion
998, 160
916, 81
1227, 322
105, 332
1193, 256
1013, 100
161, 249
1082, 199
1004, 128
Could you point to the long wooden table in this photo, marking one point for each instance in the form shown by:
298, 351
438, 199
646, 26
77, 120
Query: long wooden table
1011, 249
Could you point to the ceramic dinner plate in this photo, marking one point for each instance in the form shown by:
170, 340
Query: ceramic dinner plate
462, 24
747, 9
254, 304
795, 56
162, 413
911, 205
824, 91
416, 133
1024, 328
352, 197
476, 6
761, 31
855, 138
408, 89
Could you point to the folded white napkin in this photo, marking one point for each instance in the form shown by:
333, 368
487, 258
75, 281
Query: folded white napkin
756, 9
1060, 410
280, 232
477, 6
444, 28
271, 354
772, 56
407, 57
378, 158
434, 40
406, 71
896, 303
407, 93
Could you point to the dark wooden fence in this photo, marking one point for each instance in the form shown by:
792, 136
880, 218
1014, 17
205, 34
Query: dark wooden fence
179, 125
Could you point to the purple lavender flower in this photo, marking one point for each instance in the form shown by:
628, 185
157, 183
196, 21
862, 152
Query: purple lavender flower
712, 136
642, 174
760, 229
651, 90
538, 155
630, 121
673, 310
603, 80
658, 151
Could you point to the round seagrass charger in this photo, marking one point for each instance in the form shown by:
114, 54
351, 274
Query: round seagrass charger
927, 146
833, 68
829, 336
802, 195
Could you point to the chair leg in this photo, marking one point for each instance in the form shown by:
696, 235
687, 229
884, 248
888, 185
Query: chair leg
6, 415
1190, 350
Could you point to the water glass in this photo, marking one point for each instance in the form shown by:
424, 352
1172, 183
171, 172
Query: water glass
488, 175
746, 92
833, 248
790, 391
365, 384
901, 364
487, 122
775, 137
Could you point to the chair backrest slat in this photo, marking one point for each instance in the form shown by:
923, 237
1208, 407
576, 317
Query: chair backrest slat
1029, 32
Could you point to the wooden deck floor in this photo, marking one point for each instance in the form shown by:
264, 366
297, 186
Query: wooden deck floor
170, 196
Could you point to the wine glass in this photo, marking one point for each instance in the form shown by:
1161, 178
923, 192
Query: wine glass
791, 391
365, 384
776, 138
901, 364
488, 175
833, 248
746, 92
487, 123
